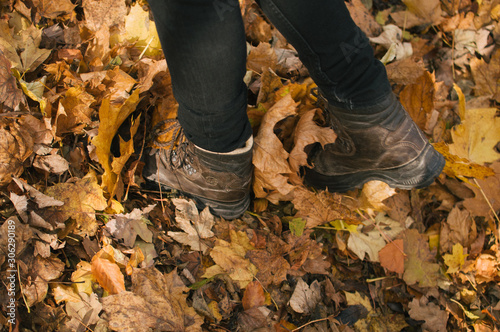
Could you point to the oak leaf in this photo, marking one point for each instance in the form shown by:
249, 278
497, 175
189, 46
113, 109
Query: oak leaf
157, 301
434, 317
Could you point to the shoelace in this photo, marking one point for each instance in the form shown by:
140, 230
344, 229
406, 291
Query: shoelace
176, 147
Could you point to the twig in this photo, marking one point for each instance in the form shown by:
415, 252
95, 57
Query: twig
21, 289
312, 322
491, 207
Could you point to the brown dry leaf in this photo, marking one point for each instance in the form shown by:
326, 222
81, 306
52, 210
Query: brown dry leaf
10, 95
362, 17
269, 156
74, 111
129, 226
262, 58
82, 314
418, 99
405, 71
253, 296
308, 132
105, 13
157, 301
420, 12
305, 297
256, 27
147, 70
32, 56
63, 293
196, 226
419, 266
459, 228
42, 271
230, 258
486, 268
8, 45
22, 236
81, 198
486, 76
319, 208
107, 272
16, 146
392, 256
52, 9
435, 318
111, 117
52, 163
489, 188
374, 194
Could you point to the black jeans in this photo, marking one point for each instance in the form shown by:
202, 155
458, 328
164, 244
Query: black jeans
205, 48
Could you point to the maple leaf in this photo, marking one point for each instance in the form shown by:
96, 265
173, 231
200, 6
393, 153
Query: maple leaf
196, 226
31, 56
107, 272
371, 242
129, 226
10, 95
103, 13
84, 312
157, 301
419, 267
74, 111
261, 58
269, 156
140, 30
459, 228
486, 75
319, 208
308, 132
435, 319
81, 198
111, 117
486, 194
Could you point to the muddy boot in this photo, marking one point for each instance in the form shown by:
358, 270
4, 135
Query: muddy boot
377, 143
219, 180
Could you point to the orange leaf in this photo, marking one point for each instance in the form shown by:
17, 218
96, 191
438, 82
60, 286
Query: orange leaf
253, 296
107, 273
392, 256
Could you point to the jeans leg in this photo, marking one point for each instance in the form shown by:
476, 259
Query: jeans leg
204, 45
336, 52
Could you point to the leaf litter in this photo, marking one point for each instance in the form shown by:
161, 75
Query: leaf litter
79, 84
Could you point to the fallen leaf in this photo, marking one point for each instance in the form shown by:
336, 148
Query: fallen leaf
435, 319
392, 256
373, 195
456, 260
486, 268
107, 272
31, 56
363, 18
63, 293
308, 132
53, 9
157, 301
305, 297
22, 235
485, 195
74, 112
319, 208
82, 278
82, 314
140, 30
103, 13
419, 266
269, 156
459, 228
16, 146
81, 198
418, 99
486, 75
253, 296
262, 58
196, 226
429, 11
476, 137
10, 95
52, 163
129, 226
371, 242
42, 271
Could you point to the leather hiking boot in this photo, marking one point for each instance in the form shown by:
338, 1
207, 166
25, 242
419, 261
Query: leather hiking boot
386, 146
221, 181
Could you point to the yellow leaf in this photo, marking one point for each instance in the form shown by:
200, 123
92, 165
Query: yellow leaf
111, 117
83, 278
373, 195
139, 29
63, 293
477, 136
456, 260
460, 167
81, 199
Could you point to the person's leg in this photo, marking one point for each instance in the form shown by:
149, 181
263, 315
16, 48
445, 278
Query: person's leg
377, 139
204, 45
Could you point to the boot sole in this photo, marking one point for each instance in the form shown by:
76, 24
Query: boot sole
419, 173
226, 210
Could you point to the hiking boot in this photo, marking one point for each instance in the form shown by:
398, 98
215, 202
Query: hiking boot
219, 180
386, 146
